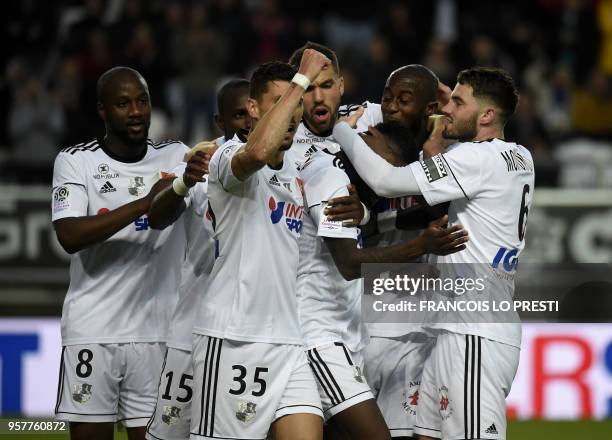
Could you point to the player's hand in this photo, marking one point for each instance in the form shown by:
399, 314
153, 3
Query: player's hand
436, 143
436, 123
439, 240
197, 168
312, 63
347, 209
444, 94
162, 183
208, 147
352, 119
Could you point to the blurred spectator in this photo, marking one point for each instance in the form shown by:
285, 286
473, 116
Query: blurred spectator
604, 18
592, 107
559, 52
200, 55
374, 73
271, 29
439, 60
142, 53
526, 128
36, 126
484, 52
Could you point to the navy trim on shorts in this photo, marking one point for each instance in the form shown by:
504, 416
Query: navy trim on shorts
161, 375
471, 399
60, 382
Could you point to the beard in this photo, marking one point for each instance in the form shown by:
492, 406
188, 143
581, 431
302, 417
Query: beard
462, 130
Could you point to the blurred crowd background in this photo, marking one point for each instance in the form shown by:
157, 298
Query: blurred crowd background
559, 52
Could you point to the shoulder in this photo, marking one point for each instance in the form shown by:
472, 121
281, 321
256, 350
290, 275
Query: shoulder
83, 147
168, 143
226, 150
349, 109
168, 147
320, 165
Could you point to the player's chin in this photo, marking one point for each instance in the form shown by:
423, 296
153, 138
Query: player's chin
136, 138
286, 144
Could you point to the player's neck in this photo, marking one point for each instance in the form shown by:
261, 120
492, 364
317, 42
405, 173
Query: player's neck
121, 150
318, 132
486, 133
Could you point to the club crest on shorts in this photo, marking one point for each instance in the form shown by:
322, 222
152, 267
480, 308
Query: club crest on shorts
246, 411
357, 374
81, 392
446, 410
412, 398
136, 186
171, 415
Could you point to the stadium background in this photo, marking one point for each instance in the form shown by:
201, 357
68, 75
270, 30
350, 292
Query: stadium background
559, 52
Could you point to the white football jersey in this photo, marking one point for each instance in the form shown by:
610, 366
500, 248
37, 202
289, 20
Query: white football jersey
372, 114
117, 292
390, 238
490, 186
251, 295
329, 306
199, 260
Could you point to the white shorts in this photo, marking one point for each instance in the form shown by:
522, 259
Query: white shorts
339, 377
464, 387
393, 368
109, 382
172, 415
241, 388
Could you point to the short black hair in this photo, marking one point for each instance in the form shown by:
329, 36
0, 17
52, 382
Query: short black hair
400, 140
493, 84
116, 73
296, 57
266, 72
230, 86
425, 80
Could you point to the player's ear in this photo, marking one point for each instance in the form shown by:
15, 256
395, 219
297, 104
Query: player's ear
488, 116
219, 122
341, 85
101, 111
253, 108
431, 108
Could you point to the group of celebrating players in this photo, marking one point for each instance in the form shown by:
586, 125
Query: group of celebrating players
215, 292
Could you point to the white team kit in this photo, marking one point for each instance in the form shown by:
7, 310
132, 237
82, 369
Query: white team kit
329, 307
249, 364
396, 352
490, 186
172, 414
115, 315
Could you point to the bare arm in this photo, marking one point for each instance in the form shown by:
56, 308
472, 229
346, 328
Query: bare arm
267, 137
78, 233
435, 240
167, 206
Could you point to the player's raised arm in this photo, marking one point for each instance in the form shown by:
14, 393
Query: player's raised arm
267, 137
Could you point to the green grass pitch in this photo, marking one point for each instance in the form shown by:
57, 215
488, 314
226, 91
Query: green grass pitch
532, 430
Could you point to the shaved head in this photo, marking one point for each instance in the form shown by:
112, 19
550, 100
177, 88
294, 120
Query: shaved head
112, 77
426, 82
